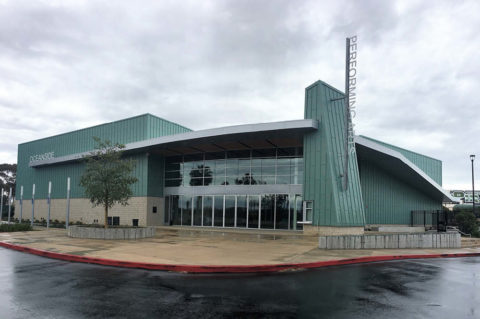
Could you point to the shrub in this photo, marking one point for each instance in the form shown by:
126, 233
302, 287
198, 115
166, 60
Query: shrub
14, 227
467, 223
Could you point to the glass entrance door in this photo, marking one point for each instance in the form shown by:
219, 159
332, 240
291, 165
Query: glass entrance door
253, 211
229, 211
281, 212
218, 211
197, 211
187, 211
242, 211
267, 219
207, 211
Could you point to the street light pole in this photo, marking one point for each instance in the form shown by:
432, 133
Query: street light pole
472, 158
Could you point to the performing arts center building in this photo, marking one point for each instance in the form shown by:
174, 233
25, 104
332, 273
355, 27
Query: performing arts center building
290, 175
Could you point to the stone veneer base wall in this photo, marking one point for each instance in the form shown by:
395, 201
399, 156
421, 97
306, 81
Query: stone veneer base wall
391, 241
110, 233
81, 210
330, 231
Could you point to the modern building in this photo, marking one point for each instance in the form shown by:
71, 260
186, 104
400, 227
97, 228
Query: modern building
465, 196
290, 175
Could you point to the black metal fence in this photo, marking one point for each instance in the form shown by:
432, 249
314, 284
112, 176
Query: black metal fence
431, 219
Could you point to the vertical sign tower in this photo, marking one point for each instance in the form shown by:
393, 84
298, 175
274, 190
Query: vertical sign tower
350, 99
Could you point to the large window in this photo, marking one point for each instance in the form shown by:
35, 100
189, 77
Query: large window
246, 167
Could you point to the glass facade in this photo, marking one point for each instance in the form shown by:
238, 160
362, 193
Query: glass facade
261, 207
246, 167
267, 211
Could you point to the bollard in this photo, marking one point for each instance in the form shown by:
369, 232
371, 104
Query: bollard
9, 204
33, 205
1, 205
49, 201
68, 203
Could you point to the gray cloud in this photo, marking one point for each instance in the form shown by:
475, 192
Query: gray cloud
213, 63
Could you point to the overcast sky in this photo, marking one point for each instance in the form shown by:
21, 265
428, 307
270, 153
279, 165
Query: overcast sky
203, 64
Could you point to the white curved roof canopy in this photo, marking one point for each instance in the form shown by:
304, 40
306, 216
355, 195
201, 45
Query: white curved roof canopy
273, 129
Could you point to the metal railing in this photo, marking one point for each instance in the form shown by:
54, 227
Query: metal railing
454, 228
430, 219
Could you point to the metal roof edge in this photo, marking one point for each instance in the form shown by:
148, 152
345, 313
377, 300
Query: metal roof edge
402, 148
86, 128
324, 83
107, 123
161, 118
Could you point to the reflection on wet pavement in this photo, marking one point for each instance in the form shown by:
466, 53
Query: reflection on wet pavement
33, 286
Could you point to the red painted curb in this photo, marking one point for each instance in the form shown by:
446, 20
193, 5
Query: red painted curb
228, 268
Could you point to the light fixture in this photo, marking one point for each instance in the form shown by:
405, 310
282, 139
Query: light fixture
472, 157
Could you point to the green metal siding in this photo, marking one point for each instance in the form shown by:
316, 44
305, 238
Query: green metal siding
324, 156
156, 168
157, 127
124, 131
389, 200
58, 174
431, 166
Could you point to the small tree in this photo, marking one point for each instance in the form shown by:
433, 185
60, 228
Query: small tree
107, 177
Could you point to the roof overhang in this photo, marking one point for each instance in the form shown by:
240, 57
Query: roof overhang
398, 165
273, 133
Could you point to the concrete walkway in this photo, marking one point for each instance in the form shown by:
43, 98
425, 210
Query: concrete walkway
180, 246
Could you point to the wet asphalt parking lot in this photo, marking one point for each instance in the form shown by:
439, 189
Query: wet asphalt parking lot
38, 287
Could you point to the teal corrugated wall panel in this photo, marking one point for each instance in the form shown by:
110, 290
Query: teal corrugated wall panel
155, 175
157, 127
58, 174
323, 158
124, 131
431, 166
388, 200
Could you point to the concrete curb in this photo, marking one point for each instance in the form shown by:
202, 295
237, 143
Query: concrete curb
226, 268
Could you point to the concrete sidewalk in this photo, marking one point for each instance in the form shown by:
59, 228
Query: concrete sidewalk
182, 246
